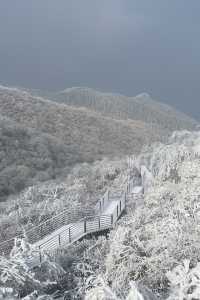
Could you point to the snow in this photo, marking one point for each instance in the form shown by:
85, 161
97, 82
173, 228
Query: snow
147, 178
111, 207
137, 190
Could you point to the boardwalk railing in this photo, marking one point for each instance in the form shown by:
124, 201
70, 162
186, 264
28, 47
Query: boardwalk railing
103, 202
75, 231
57, 232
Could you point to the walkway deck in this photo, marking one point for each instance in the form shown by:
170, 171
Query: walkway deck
58, 233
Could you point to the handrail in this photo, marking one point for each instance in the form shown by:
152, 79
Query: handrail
75, 231
34, 231
73, 227
102, 204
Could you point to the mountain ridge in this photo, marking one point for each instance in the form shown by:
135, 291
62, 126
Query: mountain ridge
63, 135
141, 107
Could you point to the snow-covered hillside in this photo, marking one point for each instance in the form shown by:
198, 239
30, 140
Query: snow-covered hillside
158, 244
154, 252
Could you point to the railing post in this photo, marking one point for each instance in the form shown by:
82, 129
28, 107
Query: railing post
70, 238
121, 205
41, 230
40, 254
111, 219
85, 226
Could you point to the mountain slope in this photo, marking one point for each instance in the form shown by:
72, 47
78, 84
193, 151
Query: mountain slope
157, 243
87, 133
28, 156
42, 139
141, 107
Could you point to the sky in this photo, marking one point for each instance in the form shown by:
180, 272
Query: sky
124, 46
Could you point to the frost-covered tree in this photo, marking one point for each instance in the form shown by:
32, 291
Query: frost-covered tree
17, 276
164, 231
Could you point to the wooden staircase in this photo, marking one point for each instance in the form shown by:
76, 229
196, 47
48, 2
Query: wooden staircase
57, 233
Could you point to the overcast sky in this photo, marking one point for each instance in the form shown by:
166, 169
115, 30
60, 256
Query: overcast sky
126, 46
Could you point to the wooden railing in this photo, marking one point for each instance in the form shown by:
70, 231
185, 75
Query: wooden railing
69, 233
75, 231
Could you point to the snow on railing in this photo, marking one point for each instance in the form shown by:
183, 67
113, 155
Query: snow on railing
74, 231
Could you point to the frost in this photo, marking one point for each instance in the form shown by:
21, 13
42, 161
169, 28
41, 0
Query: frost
163, 233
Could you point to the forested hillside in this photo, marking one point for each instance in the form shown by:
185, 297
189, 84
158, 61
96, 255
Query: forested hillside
152, 253
87, 133
41, 139
28, 156
156, 246
141, 107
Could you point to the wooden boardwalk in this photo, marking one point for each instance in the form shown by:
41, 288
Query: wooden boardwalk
57, 233
111, 207
74, 231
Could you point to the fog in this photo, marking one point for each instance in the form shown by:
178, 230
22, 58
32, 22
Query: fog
126, 46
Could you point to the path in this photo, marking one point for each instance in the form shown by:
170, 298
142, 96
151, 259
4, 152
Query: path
56, 233
111, 207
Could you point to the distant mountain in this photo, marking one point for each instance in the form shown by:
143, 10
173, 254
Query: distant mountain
88, 133
41, 138
141, 107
